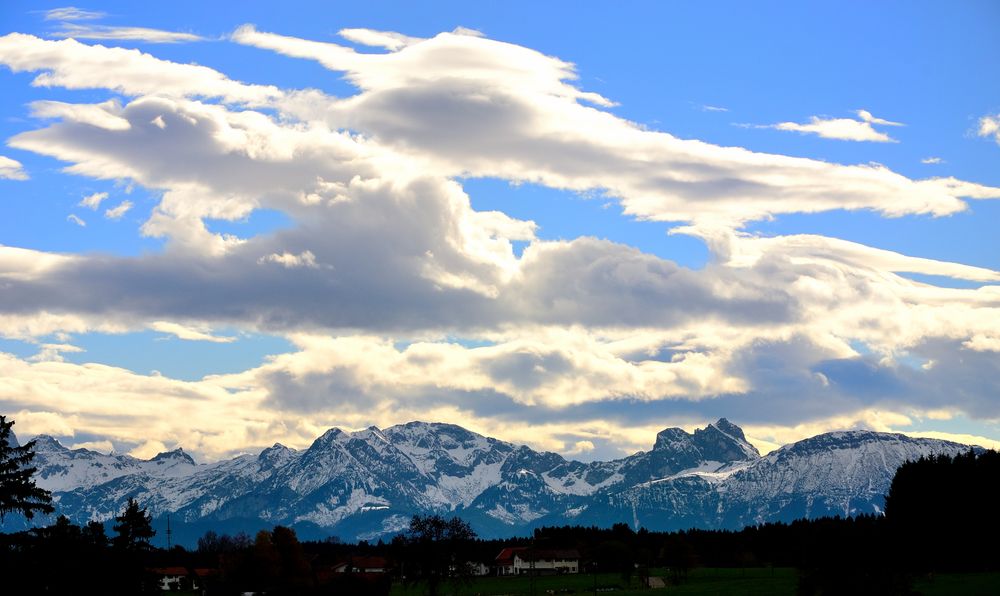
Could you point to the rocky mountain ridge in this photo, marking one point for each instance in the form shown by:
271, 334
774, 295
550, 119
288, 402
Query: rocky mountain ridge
367, 484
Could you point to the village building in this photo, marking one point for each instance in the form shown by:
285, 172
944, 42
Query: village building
530, 561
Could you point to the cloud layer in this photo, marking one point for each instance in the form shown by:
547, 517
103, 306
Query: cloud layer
405, 302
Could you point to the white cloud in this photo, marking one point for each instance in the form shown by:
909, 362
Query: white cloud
54, 352
104, 446
41, 422
382, 39
844, 129
521, 120
744, 250
968, 439
931, 160
708, 108
148, 449
406, 94
103, 115
72, 13
983, 343
222, 419
199, 333
74, 65
867, 117
93, 201
289, 260
77, 31
119, 211
76, 219
989, 126
26, 264
11, 169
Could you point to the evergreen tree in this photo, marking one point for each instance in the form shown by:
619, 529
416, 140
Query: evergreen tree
94, 534
17, 489
134, 528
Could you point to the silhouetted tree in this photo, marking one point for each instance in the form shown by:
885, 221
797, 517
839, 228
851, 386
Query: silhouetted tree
17, 488
436, 551
939, 502
294, 569
134, 528
94, 535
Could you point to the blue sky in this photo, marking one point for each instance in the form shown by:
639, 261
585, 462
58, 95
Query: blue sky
623, 217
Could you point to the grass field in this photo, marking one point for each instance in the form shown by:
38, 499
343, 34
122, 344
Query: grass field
711, 581
700, 582
966, 584
736, 582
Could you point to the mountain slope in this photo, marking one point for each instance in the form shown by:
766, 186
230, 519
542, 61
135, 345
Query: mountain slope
367, 484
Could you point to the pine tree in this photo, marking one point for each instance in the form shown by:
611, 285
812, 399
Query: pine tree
17, 489
134, 528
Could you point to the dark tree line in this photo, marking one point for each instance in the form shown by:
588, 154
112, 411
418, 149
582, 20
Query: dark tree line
65, 558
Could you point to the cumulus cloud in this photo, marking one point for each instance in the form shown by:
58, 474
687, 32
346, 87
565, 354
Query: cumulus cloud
93, 201
983, 343
11, 169
118, 211
989, 126
844, 129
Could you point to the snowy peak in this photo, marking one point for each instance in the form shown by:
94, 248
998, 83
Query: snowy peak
721, 441
855, 445
671, 438
331, 436
47, 444
275, 455
729, 428
173, 457
724, 441
435, 435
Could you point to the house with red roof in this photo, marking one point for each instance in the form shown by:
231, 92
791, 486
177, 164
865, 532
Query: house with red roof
504, 562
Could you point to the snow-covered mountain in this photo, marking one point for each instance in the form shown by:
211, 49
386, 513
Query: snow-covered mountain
367, 484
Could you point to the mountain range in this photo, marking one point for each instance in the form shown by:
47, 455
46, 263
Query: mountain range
366, 485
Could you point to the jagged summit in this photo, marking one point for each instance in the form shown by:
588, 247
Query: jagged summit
669, 438
48, 443
173, 456
725, 442
720, 441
